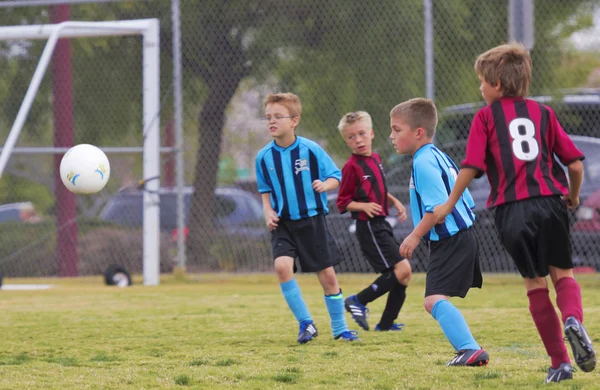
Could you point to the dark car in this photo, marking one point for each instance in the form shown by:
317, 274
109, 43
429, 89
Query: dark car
236, 211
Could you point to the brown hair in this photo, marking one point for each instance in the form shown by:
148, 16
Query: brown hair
509, 64
417, 112
288, 100
351, 118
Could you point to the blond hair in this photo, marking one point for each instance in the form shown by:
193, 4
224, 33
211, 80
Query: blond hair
417, 112
509, 64
288, 100
351, 118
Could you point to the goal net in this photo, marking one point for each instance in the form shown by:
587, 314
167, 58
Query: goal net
101, 90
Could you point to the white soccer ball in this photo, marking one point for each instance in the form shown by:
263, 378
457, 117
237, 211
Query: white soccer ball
84, 169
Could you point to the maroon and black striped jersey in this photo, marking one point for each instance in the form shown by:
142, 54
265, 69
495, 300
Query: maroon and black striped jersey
516, 142
363, 181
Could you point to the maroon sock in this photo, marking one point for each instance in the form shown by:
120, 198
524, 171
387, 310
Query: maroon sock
548, 325
568, 298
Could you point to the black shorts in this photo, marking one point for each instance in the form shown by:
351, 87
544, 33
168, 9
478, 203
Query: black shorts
378, 244
307, 240
535, 232
454, 265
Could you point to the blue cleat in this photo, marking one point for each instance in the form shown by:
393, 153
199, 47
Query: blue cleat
358, 311
308, 331
583, 352
564, 371
348, 335
394, 327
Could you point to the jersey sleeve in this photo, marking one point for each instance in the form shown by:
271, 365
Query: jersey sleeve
347, 187
476, 145
564, 148
429, 184
262, 182
327, 167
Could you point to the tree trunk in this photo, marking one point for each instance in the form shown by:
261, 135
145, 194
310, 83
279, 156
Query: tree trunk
226, 72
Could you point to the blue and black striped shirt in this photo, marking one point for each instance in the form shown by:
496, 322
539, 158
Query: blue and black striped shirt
432, 179
288, 173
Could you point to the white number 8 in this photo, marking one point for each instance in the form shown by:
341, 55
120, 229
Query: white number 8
520, 140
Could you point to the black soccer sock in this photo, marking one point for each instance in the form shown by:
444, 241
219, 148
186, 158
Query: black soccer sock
393, 305
380, 286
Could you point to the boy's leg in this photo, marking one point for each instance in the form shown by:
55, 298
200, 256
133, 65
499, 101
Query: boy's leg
396, 297
568, 294
284, 267
568, 300
451, 321
334, 301
456, 330
383, 284
356, 304
546, 321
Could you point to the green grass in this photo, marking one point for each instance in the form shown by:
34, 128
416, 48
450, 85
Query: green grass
235, 331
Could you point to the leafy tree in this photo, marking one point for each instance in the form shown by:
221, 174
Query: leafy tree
338, 56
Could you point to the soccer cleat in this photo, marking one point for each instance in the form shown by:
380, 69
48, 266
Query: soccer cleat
358, 311
308, 331
583, 352
564, 371
470, 357
348, 335
392, 328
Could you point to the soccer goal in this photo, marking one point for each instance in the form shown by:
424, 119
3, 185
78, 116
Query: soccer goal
149, 30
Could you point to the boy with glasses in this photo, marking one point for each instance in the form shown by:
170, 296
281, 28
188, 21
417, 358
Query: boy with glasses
293, 175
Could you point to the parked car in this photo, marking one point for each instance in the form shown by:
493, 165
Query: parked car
22, 212
236, 211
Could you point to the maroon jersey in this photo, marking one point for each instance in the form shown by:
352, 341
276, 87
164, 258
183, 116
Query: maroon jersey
516, 141
363, 181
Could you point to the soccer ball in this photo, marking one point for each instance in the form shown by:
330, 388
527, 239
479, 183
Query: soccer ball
84, 169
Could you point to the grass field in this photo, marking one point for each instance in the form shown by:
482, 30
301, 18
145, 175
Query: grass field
235, 331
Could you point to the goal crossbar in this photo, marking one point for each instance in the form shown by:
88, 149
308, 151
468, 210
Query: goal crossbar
149, 30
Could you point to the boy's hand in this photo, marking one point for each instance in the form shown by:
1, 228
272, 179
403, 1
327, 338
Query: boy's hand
440, 212
371, 209
319, 186
409, 245
400, 211
571, 201
271, 219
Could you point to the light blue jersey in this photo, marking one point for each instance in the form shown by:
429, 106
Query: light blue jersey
288, 173
431, 181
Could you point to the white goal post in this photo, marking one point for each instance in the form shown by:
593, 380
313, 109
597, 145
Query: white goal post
149, 30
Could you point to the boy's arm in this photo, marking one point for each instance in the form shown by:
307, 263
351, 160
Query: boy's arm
400, 209
371, 209
575, 170
323, 186
271, 217
464, 178
411, 242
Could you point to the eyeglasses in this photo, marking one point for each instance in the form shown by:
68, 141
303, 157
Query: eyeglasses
276, 118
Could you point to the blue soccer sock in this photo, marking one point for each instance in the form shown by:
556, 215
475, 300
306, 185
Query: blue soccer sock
335, 307
293, 296
453, 325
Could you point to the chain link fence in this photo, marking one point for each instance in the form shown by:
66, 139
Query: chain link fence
338, 56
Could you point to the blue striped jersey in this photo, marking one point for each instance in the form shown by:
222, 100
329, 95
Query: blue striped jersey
433, 176
288, 173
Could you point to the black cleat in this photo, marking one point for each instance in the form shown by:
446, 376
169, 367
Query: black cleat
358, 311
564, 371
308, 331
470, 357
583, 352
